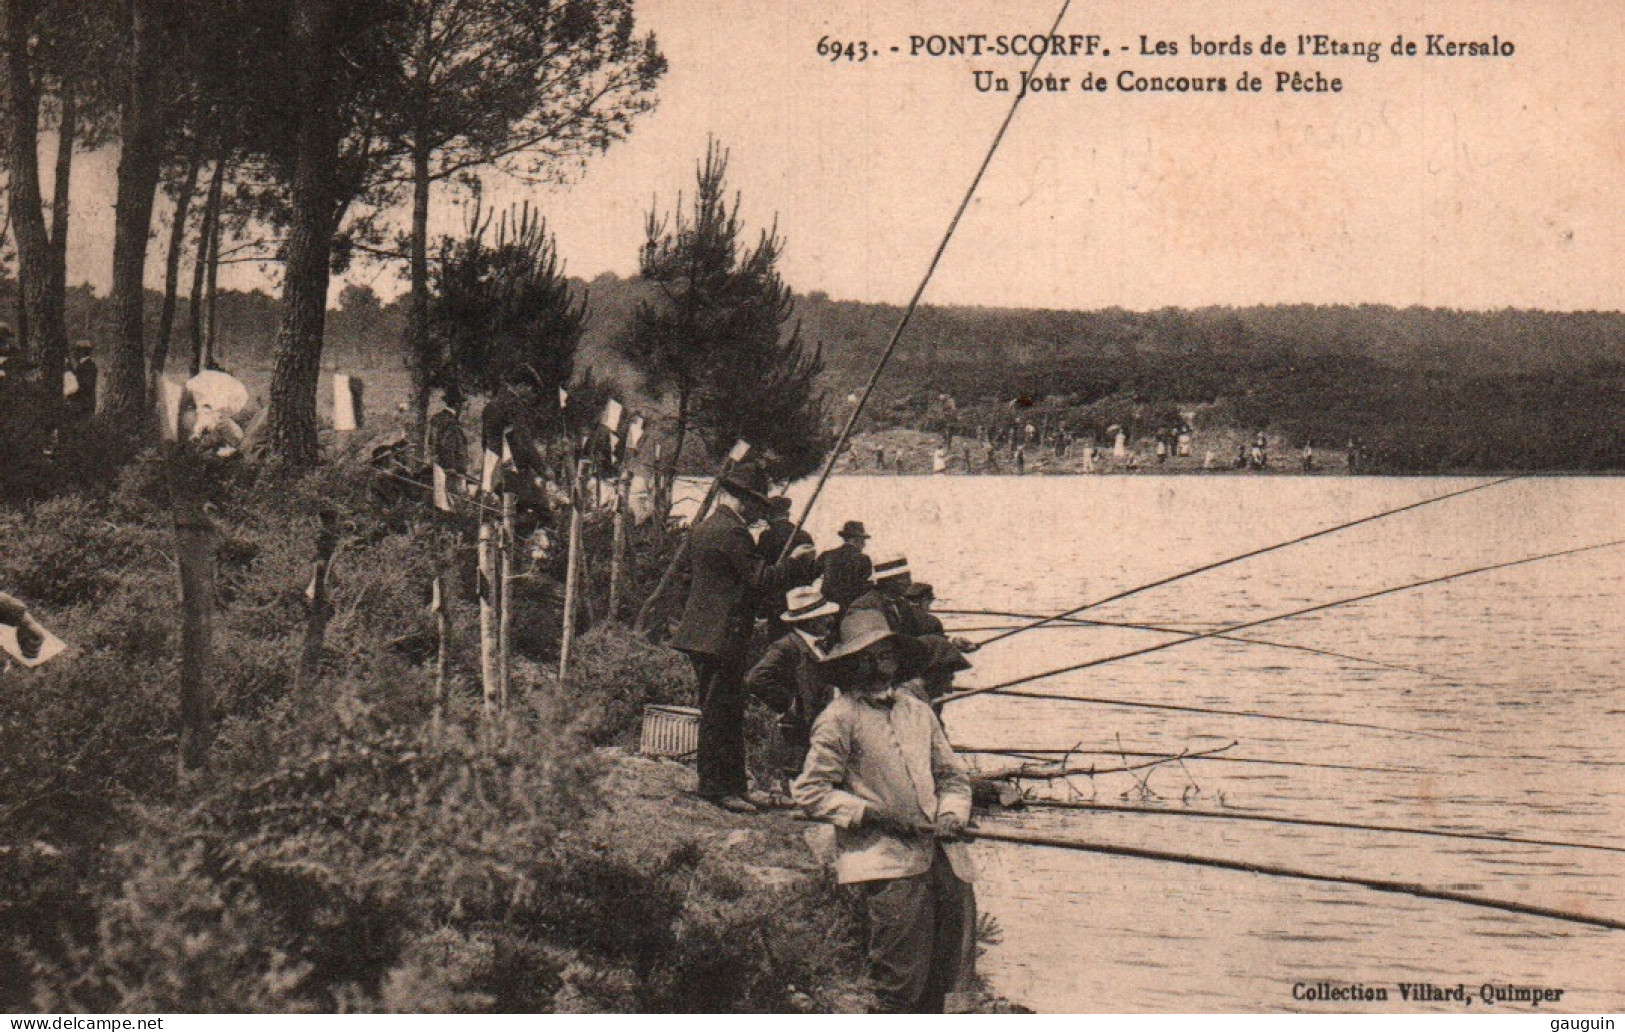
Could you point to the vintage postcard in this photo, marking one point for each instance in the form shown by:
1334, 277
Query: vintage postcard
819, 506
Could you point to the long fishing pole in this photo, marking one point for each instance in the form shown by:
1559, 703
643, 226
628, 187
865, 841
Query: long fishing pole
1001, 687
1062, 804
914, 302
1279, 871
1042, 756
1246, 555
1074, 623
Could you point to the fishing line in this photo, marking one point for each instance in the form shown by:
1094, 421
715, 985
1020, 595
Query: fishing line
1061, 804
913, 303
1000, 689
1042, 756
1247, 555
1278, 871
1075, 623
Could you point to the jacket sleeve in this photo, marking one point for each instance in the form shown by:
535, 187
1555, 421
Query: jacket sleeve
773, 678
816, 791
738, 553
948, 771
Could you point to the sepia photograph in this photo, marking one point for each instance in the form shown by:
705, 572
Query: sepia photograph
817, 507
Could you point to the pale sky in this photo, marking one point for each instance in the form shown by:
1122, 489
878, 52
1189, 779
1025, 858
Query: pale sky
1464, 182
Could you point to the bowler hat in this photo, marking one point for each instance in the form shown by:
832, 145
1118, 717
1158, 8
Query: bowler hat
860, 629
918, 591
854, 529
748, 484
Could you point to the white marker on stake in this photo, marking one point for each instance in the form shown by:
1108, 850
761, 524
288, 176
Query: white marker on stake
50, 647
343, 404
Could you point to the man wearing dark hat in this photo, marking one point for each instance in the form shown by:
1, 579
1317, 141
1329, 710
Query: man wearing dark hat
788, 677
728, 583
448, 445
769, 547
845, 568
880, 769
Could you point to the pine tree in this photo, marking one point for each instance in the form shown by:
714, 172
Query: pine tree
718, 335
502, 303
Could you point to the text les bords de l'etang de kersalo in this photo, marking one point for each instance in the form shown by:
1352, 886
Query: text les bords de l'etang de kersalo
1310, 46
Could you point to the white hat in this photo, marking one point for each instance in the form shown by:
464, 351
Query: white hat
807, 604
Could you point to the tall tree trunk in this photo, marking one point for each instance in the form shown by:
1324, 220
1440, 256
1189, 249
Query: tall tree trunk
211, 286
40, 316
172, 269
67, 132
291, 421
420, 356
140, 167
200, 265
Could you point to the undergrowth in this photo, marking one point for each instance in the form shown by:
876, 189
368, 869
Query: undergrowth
347, 848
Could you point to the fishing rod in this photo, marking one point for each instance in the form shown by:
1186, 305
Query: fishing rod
1025, 774
1075, 623
1280, 871
913, 303
1042, 756
1247, 555
1061, 804
1001, 688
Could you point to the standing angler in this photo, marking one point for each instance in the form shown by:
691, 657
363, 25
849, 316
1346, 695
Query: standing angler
769, 547
728, 583
845, 568
881, 770
789, 676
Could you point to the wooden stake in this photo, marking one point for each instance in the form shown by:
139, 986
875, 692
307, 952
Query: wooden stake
195, 544
572, 566
318, 604
442, 627
617, 553
505, 576
486, 553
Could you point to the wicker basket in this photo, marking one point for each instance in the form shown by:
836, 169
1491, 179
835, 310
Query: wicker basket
672, 731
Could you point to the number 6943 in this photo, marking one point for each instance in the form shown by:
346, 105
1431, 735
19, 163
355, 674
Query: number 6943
842, 50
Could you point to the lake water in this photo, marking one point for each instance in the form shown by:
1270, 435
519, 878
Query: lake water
1522, 673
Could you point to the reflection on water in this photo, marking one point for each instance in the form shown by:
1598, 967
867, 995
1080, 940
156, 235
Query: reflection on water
1519, 668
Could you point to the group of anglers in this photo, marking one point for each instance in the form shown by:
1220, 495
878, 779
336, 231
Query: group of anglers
853, 663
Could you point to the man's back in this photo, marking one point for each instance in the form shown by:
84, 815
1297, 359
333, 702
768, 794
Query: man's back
846, 573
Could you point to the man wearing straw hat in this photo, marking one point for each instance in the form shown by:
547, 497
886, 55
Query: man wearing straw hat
789, 678
880, 769
718, 617
888, 597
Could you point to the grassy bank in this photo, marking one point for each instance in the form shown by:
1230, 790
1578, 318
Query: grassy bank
343, 850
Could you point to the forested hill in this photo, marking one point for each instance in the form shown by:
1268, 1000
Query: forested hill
1423, 388
1429, 388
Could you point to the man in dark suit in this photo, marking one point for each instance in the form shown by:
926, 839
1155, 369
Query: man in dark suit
769, 547
845, 568
728, 583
